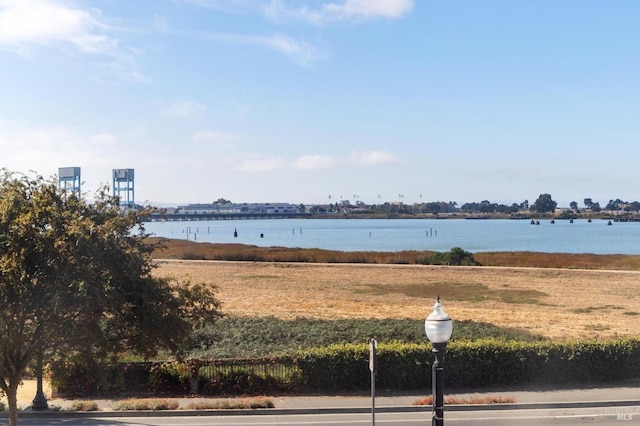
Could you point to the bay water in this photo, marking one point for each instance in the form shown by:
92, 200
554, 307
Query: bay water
581, 236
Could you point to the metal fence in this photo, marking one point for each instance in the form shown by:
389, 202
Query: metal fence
204, 377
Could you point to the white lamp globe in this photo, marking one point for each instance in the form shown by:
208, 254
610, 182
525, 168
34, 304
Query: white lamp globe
438, 324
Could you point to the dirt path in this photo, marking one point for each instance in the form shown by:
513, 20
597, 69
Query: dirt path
557, 303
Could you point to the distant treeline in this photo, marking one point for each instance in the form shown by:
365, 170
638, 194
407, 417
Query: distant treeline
543, 204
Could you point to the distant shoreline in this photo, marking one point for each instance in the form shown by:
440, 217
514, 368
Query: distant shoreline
371, 216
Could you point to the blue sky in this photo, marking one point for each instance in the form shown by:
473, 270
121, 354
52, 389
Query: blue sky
299, 101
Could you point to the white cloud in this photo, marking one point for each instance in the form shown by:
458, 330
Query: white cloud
122, 68
160, 23
215, 138
368, 9
314, 162
260, 165
186, 109
299, 51
310, 162
347, 10
367, 158
102, 139
27, 23
43, 150
223, 5
54, 139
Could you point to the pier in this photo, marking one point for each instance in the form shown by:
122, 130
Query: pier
183, 217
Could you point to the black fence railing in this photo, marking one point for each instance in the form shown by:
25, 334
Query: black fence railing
201, 377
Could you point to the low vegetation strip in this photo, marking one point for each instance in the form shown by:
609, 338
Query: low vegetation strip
189, 250
450, 400
344, 367
232, 404
241, 337
145, 404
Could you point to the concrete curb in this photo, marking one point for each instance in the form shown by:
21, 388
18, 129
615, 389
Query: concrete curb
329, 410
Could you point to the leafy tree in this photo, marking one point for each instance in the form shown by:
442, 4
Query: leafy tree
614, 204
588, 202
573, 205
75, 275
633, 207
469, 207
487, 207
544, 204
432, 207
455, 257
458, 256
502, 208
484, 206
514, 208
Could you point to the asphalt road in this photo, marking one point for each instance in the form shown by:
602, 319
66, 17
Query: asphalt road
573, 416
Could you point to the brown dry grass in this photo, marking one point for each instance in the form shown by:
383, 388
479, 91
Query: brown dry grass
183, 249
483, 400
557, 303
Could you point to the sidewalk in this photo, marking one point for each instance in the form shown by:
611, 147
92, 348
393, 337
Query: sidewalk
610, 394
614, 394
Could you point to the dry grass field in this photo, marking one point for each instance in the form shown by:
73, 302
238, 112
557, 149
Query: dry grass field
558, 303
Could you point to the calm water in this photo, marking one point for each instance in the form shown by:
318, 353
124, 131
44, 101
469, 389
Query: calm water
409, 234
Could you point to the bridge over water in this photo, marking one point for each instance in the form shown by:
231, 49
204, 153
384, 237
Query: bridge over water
179, 217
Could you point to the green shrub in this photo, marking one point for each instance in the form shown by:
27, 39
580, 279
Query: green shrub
242, 382
278, 336
455, 257
84, 376
336, 367
472, 364
401, 366
170, 378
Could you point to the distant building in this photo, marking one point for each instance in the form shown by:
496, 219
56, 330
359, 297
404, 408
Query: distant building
244, 208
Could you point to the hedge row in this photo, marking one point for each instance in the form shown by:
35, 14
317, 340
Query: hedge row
473, 364
346, 367
86, 377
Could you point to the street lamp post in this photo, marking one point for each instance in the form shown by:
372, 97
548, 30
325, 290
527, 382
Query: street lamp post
438, 327
40, 401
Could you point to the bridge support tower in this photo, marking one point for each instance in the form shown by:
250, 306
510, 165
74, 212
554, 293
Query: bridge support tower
123, 186
69, 179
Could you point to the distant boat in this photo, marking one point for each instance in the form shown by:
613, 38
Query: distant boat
553, 221
589, 221
609, 223
570, 220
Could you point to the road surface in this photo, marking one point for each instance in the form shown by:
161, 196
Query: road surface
530, 417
